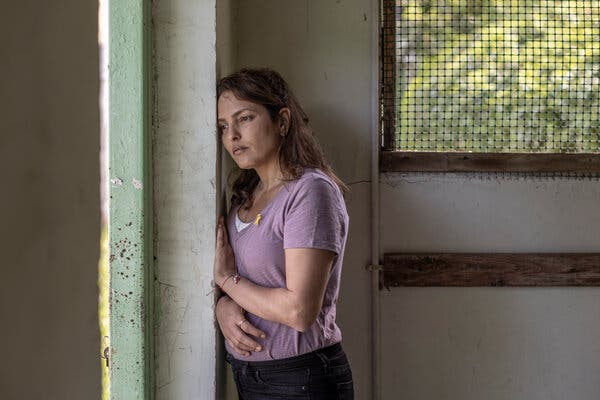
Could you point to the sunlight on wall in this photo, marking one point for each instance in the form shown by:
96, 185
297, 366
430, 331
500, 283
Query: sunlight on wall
103, 311
103, 266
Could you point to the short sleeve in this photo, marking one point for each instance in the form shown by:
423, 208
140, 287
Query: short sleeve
315, 217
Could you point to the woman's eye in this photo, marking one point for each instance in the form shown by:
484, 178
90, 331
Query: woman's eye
222, 128
246, 118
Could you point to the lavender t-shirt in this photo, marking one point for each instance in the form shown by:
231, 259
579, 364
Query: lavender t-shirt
306, 213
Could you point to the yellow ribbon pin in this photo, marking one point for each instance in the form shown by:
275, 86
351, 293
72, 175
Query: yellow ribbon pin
258, 218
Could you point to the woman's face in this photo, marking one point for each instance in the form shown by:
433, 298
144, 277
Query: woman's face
248, 133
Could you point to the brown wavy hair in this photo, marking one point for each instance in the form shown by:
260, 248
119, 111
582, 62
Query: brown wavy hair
299, 149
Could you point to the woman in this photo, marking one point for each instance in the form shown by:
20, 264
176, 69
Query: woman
279, 252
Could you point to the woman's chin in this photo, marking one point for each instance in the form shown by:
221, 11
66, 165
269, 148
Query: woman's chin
243, 164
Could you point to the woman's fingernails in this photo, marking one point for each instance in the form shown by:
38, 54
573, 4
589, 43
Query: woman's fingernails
263, 336
258, 348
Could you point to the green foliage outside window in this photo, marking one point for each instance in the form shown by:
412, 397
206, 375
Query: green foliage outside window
498, 75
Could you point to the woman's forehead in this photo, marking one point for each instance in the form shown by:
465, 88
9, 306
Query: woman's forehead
229, 104
229, 98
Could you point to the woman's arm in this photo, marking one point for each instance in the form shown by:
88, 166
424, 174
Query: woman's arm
298, 304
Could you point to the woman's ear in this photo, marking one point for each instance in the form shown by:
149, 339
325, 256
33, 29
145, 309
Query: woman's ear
284, 121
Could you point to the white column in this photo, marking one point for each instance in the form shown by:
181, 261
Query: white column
184, 198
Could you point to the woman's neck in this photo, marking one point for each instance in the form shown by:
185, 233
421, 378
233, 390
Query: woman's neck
270, 176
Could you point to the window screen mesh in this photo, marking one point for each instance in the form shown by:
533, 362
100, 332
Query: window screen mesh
491, 75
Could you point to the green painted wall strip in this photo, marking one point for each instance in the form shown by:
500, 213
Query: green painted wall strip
150, 276
130, 229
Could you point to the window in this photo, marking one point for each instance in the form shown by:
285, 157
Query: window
498, 85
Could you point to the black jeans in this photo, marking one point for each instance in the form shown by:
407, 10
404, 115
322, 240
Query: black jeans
319, 375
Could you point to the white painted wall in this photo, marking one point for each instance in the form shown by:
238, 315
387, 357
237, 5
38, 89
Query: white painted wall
185, 197
226, 37
438, 343
50, 202
492, 343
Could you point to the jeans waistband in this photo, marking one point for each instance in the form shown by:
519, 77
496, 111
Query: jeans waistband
291, 362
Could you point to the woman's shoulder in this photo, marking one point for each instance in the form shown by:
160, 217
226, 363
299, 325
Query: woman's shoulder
316, 185
315, 177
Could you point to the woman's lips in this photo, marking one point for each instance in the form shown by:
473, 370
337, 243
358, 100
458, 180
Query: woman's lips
238, 150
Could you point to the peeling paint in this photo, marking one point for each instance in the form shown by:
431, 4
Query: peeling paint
131, 346
137, 184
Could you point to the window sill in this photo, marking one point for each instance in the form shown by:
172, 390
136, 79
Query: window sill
420, 161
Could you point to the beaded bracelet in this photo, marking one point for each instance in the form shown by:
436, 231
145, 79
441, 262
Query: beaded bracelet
234, 277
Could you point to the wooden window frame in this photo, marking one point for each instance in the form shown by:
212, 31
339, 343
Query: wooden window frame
392, 160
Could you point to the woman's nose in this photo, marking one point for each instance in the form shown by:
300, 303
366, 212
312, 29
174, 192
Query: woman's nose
233, 134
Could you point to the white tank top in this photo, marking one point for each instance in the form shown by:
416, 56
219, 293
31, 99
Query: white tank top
239, 224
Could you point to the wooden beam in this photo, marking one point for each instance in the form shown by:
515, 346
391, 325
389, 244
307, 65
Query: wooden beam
388, 75
406, 161
491, 269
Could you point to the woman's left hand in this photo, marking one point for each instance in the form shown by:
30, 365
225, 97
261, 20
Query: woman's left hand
224, 258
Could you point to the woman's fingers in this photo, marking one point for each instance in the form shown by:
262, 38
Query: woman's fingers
221, 231
244, 341
238, 350
241, 343
224, 233
230, 321
219, 237
222, 239
224, 263
250, 329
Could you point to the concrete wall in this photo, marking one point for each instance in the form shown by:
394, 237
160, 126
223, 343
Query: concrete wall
226, 37
49, 158
460, 343
490, 343
185, 197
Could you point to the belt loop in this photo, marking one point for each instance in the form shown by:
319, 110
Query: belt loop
324, 360
244, 368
